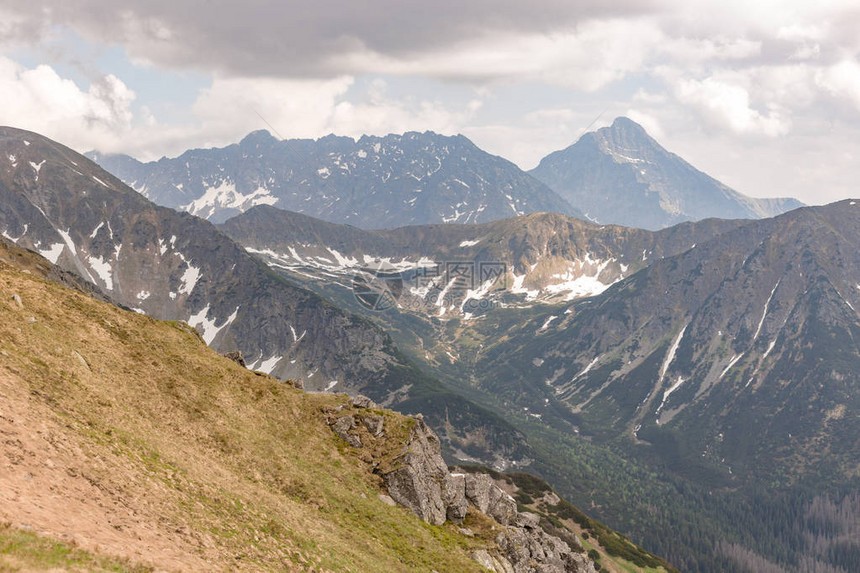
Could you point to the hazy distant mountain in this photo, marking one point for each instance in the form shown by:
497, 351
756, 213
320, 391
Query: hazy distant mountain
373, 183
620, 175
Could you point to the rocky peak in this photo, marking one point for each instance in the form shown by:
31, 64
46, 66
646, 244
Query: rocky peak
621, 175
375, 182
627, 141
258, 139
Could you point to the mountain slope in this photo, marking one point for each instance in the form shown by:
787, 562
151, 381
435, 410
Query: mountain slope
620, 175
171, 265
375, 182
176, 266
544, 257
127, 437
729, 369
755, 333
716, 373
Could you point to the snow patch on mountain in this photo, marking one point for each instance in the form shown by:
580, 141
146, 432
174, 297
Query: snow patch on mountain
37, 167
53, 252
764, 312
96, 230
670, 356
24, 232
67, 238
189, 279
267, 365
666, 394
103, 269
207, 327
518, 288
732, 362
225, 195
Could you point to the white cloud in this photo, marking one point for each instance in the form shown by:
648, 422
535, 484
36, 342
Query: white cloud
647, 121
587, 57
101, 116
694, 51
40, 100
841, 80
727, 106
295, 108
313, 108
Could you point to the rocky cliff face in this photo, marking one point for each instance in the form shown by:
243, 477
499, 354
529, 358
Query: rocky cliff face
375, 182
416, 477
620, 175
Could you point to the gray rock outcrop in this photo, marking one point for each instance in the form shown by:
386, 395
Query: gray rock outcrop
374, 424
342, 426
420, 481
361, 401
489, 498
532, 550
237, 357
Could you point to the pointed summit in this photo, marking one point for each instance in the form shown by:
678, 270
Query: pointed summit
621, 175
259, 138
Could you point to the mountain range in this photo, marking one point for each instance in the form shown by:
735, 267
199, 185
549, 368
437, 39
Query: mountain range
615, 175
694, 386
175, 266
646, 329
129, 446
374, 182
719, 354
542, 257
620, 175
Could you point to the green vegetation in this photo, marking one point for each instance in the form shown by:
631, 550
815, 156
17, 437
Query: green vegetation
213, 465
22, 550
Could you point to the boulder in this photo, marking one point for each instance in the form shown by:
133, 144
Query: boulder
535, 551
237, 357
342, 426
374, 424
363, 402
478, 490
501, 507
454, 496
495, 563
417, 481
527, 520
16, 300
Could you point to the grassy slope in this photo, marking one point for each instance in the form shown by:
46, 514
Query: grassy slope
128, 437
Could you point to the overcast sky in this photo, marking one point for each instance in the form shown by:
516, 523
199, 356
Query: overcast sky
763, 95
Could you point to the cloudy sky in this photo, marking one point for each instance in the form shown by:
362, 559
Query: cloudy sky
763, 95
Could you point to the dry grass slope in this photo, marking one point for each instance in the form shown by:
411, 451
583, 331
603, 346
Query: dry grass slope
124, 437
